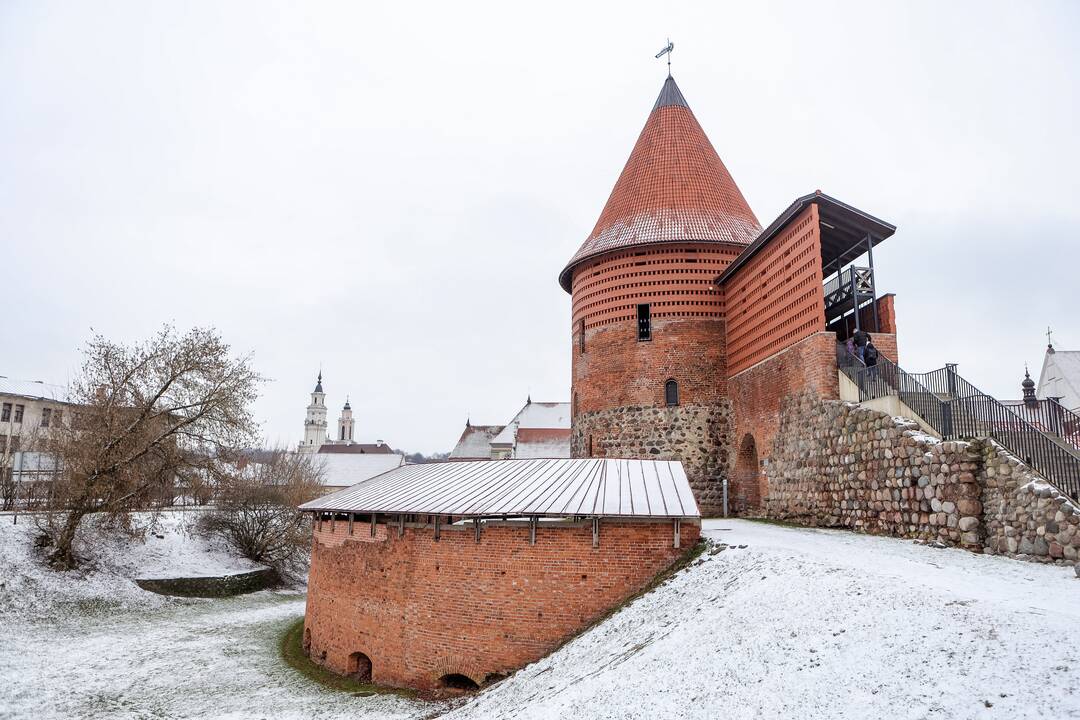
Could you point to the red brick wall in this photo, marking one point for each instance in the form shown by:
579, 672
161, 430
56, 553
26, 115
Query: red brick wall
757, 394
776, 299
618, 371
615, 369
421, 609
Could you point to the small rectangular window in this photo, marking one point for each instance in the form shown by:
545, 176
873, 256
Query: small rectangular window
5, 413
581, 335
19, 413
46, 416
644, 322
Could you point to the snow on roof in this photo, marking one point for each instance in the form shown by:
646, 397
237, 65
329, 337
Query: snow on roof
535, 415
524, 488
345, 469
542, 443
1060, 377
35, 389
475, 442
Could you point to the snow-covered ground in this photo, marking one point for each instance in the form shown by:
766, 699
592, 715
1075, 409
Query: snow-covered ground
92, 644
820, 624
798, 624
170, 548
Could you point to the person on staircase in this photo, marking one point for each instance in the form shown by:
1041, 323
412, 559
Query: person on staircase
870, 357
860, 339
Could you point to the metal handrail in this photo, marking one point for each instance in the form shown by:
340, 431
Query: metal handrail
957, 409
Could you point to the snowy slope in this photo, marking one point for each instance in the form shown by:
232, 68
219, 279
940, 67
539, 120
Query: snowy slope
820, 624
111, 564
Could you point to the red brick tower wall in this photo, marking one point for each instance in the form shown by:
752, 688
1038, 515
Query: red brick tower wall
674, 221
421, 609
619, 407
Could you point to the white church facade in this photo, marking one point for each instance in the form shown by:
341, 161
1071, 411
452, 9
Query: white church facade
317, 438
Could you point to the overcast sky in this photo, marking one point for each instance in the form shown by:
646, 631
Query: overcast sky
389, 190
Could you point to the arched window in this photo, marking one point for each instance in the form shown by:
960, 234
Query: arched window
671, 392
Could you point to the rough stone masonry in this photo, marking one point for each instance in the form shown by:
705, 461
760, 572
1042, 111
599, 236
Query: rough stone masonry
836, 464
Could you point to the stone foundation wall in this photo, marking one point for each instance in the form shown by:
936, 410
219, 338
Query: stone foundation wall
1024, 514
698, 435
835, 464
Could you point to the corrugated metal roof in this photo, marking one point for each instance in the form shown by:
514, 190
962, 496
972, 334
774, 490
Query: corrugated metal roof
524, 488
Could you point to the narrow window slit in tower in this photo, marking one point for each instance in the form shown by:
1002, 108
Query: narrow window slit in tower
644, 322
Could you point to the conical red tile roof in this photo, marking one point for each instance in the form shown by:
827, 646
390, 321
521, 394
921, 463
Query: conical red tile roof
674, 188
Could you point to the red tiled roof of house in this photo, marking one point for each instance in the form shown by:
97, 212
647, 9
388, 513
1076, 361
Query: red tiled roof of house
674, 188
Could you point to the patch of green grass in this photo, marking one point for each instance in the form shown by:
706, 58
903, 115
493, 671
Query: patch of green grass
292, 652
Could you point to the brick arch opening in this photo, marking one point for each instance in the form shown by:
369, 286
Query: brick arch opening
457, 681
359, 667
744, 487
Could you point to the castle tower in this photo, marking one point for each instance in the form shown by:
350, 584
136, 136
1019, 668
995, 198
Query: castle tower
345, 423
315, 421
649, 370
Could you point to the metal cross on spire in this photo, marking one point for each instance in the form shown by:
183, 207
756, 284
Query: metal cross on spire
667, 51
1049, 343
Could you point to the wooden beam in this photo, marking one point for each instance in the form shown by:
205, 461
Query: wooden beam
678, 538
374, 520
350, 523
532, 530
400, 525
596, 532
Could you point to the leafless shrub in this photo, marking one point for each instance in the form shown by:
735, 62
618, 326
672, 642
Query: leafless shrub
256, 510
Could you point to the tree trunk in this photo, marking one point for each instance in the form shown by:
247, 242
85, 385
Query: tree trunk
62, 557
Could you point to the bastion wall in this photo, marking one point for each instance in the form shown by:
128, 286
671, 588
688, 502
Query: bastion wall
420, 608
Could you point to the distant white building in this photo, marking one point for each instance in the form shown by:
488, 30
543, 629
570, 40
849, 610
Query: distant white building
538, 430
28, 409
342, 470
1060, 377
316, 436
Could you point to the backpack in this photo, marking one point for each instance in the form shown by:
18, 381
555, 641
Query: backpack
870, 355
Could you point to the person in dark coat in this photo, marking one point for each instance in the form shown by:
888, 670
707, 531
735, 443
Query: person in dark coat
860, 339
870, 357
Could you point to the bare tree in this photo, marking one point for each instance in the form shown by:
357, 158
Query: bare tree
256, 509
142, 416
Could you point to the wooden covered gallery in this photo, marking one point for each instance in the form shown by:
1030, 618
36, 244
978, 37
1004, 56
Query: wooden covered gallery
454, 574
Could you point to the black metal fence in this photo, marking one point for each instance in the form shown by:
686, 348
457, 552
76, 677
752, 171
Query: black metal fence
1044, 436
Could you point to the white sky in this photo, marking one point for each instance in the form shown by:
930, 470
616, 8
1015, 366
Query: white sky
391, 189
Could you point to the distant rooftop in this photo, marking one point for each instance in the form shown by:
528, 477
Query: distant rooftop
34, 389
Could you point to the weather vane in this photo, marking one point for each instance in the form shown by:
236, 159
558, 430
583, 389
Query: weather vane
667, 51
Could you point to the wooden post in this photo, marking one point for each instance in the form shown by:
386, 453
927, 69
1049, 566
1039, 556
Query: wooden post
476, 526
436, 528
400, 525
678, 539
596, 532
532, 530
374, 520
350, 523
333, 519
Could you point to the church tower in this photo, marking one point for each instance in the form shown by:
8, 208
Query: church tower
648, 328
345, 423
315, 421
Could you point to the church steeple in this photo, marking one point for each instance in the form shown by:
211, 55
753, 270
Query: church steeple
315, 420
